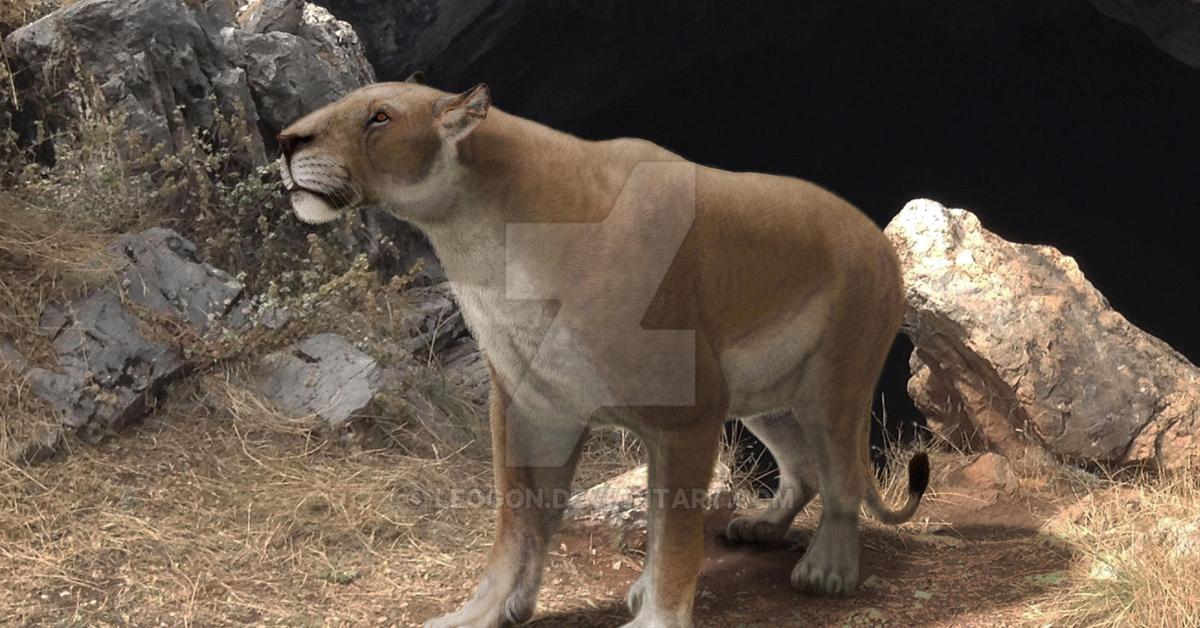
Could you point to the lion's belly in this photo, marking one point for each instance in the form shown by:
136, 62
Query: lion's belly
551, 368
565, 368
766, 369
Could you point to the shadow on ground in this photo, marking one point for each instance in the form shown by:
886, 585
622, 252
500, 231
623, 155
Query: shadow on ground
974, 574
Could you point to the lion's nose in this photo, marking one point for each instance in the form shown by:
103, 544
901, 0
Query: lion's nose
291, 142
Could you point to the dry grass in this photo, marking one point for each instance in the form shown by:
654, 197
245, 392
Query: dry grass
17, 13
219, 511
212, 515
43, 259
1139, 539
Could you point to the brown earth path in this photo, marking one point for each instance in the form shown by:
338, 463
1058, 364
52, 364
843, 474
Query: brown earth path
969, 561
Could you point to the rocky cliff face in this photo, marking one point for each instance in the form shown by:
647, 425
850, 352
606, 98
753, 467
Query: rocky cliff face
170, 68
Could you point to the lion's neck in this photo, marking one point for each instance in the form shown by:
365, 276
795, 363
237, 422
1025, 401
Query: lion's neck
514, 171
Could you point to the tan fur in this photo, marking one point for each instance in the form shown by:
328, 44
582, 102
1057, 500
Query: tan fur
781, 296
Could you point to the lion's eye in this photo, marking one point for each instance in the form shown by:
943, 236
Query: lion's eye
380, 117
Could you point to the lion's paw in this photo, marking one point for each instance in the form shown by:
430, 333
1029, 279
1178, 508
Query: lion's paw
648, 620
825, 577
483, 612
755, 530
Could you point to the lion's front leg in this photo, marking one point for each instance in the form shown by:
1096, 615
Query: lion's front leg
531, 499
680, 468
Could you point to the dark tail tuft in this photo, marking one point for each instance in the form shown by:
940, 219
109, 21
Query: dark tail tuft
918, 474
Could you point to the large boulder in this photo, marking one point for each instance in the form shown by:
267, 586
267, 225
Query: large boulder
170, 69
164, 273
155, 63
1014, 347
109, 373
266, 16
303, 62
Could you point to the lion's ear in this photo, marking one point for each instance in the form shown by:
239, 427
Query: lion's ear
417, 77
458, 115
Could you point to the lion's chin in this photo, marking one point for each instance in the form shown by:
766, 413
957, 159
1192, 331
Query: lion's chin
312, 209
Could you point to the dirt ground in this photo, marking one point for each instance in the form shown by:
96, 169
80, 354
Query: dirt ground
968, 562
204, 516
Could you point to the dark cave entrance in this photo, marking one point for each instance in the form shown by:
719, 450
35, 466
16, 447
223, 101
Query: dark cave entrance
1052, 122
1057, 127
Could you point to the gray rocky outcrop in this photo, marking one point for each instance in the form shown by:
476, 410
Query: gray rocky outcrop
266, 16
305, 60
154, 63
164, 273
1014, 347
109, 370
431, 322
170, 69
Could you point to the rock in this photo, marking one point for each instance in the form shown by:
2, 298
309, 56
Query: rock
153, 62
109, 373
619, 504
43, 445
1173, 25
1181, 536
322, 375
1013, 346
290, 73
327, 376
11, 358
171, 68
266, 16
430, 322
395, 248
165, 275
988, 472
464, 360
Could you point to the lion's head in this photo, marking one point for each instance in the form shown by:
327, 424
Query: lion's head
391, 144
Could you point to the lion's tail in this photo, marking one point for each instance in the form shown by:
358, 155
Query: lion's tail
918, 481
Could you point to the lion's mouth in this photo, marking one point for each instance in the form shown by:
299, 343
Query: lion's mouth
313, 207
316, 200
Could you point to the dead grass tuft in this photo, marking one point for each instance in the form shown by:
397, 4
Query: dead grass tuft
43, 259
214, 514
1139, 539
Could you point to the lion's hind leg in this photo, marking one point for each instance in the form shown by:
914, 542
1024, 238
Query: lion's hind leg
783, 436
830, 564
